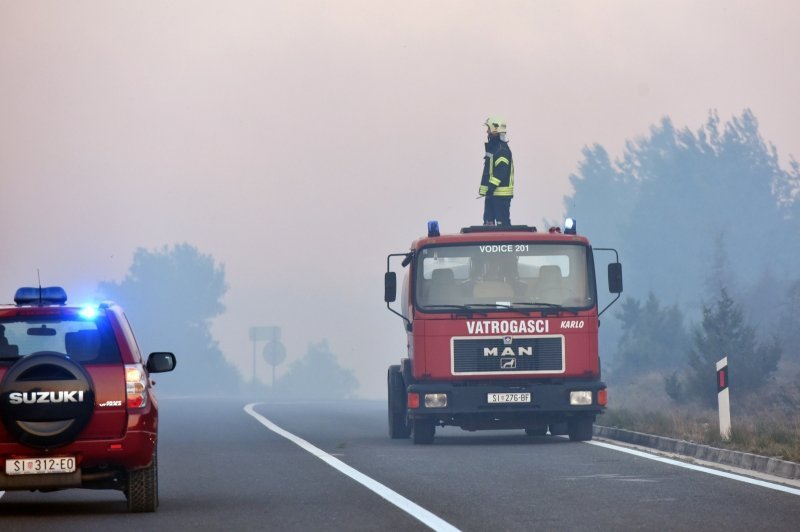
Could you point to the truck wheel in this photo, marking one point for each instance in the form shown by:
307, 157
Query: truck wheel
398, 426
536, 431
141, 489
580, 428
423, 431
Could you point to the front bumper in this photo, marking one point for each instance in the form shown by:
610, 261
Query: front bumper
469, 408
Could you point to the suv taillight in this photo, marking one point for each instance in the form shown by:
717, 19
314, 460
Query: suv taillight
136, 385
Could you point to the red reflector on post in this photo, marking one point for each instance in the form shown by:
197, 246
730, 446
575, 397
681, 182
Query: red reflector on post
602, 397
413, 400
722, 378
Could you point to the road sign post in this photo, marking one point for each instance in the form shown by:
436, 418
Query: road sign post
723, 399
274, 353
263, 334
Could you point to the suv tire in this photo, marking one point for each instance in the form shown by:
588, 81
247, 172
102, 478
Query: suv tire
141, 489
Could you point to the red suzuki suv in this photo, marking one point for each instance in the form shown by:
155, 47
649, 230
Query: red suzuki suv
76, 400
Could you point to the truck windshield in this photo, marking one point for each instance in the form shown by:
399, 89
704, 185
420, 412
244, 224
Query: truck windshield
504, 275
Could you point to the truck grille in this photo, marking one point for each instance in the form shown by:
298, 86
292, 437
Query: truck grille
493, 355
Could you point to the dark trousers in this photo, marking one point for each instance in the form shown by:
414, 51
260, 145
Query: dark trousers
497, 210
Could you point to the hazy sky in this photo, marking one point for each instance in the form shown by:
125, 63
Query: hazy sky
300, 142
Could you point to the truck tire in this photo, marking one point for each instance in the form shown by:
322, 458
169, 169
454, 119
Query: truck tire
59, 382
580, 428
141, 489
423, 431
398, 424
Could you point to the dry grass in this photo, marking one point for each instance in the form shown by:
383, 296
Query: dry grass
767, 423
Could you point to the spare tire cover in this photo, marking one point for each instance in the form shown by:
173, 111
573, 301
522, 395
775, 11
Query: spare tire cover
46, 399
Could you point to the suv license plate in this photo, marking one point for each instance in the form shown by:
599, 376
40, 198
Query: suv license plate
40, 466
509, 397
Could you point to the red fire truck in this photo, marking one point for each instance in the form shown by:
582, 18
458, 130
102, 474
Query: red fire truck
502, 326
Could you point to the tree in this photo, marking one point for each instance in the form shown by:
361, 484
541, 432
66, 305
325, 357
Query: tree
170, 297
674, 387
674, 191
317, 376
789, 194
597, 186
789, 323
724, 332
672, 197
720, 274
653, 338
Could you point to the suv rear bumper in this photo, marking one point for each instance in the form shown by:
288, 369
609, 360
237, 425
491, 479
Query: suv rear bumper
96, 461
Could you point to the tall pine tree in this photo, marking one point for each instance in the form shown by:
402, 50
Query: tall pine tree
725, 332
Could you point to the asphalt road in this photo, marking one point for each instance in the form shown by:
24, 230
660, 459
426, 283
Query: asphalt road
224, 469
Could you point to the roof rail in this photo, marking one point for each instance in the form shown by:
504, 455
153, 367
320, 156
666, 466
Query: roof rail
498, 228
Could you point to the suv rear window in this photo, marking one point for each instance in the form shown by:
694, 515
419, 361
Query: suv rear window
87, 341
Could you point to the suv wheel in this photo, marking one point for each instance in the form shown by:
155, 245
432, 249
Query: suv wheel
142, 488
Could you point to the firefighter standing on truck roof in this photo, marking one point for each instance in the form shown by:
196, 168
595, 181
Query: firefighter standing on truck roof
497, 182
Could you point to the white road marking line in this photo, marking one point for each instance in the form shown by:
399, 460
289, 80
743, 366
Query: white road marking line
411, 508
710, 471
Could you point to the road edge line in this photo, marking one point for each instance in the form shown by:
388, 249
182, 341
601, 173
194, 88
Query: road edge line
728, 457
413, 509
702, 469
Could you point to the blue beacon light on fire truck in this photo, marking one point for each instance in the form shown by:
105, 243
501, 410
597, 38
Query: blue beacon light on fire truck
570, 226
433, 228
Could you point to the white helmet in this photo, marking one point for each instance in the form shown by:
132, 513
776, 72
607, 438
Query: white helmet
496, 125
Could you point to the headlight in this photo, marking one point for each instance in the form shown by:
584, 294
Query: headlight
435, 400
580, 398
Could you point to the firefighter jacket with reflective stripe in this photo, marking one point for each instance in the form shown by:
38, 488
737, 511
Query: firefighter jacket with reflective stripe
498, 169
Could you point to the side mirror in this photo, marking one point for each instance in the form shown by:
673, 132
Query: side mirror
390, 287
615, 278
161, 362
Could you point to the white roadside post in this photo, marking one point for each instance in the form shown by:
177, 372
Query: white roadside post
723, 399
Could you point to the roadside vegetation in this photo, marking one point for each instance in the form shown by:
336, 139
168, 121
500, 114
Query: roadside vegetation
675, 395
766, 424
702, 221
663, 380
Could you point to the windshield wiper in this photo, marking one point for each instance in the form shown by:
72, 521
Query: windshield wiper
537, 304
554, 306
500, 305
463, 308
549, 307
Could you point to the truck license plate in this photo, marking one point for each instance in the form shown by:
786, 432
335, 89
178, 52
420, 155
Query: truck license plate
509, 397
40, 466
